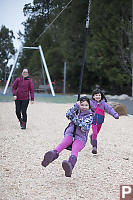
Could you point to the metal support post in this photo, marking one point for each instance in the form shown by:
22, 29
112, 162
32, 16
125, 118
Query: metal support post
64, 77
10, 75
46, 70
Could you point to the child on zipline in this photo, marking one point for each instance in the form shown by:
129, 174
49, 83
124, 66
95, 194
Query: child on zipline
99, 105
80, 116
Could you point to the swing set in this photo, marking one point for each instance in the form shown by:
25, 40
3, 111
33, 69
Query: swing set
44, 66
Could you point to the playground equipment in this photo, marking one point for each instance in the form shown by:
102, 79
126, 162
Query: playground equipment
44, 65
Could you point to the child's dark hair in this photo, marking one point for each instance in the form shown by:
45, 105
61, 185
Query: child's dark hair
85, 98
97, 91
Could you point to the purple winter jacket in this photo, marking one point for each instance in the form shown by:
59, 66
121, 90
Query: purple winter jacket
82, 120
99, 108
21, 88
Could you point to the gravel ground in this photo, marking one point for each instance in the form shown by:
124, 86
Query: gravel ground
94, 177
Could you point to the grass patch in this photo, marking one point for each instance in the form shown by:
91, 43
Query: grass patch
56, 99
44, 98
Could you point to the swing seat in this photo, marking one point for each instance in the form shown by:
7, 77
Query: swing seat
69, 147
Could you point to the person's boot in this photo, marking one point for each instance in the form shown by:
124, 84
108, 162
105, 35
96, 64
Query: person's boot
49, 157
69, 165
23, 125
94, 143
20, 121
91, 139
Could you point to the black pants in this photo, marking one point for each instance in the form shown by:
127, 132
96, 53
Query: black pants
21, 109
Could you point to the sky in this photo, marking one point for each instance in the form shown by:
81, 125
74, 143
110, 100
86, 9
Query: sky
11, 15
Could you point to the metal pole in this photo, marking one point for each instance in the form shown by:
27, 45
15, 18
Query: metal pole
84, 50
30, 48
46, 70
43, 76
64, 77
132, 80
10, 75
5, 74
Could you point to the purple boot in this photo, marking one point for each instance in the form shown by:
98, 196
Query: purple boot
49, 157
69, 165
94, 143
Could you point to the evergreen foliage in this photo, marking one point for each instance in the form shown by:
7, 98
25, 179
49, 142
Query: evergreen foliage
6, 50
108, 48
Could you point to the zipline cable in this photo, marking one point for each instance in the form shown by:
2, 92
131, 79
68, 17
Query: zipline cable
82, 67
51, 22
84, 49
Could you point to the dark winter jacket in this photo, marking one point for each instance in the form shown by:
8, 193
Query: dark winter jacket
99, 109
21, 88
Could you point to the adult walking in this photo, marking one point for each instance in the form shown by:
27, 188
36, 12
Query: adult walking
21, 88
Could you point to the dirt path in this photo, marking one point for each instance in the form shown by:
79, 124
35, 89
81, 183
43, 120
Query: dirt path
94, 177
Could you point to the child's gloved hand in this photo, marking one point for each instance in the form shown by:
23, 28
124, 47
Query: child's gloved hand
116, 116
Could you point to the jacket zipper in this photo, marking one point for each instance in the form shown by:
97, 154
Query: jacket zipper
97, 116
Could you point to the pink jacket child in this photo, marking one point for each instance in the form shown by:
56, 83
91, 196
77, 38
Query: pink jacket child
80, 116
99, 105
21, 88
